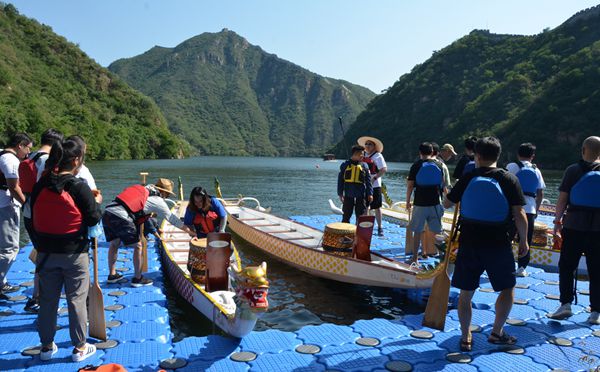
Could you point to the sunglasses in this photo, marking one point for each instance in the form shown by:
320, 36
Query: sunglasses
369, 144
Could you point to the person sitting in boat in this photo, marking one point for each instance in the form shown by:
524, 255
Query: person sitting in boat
426, 177
490, 198
122, 220
580, 227
354, 184
204, 213
532, 184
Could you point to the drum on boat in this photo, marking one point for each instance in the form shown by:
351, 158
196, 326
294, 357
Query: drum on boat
540, 235
197, 260
338, 238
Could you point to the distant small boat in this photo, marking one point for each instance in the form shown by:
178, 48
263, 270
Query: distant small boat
329, 157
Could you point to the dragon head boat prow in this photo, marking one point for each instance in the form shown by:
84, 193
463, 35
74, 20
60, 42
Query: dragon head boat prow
252, 287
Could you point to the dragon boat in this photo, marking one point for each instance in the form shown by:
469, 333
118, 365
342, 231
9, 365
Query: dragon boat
543, 254
301, 246
231, 297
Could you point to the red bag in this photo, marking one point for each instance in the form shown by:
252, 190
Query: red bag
111, 367
28, 173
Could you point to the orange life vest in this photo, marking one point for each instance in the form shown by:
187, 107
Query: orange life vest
56, 213
206, 222
133, 199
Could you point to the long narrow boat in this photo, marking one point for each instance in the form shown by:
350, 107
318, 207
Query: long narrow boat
236, 317
300, 246
542, 256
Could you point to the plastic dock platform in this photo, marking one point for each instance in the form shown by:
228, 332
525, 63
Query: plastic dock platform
140, 326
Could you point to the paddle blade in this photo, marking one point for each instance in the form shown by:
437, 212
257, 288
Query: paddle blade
364, 233
96, 313
437, 305
144, 250
408, 241
218, 252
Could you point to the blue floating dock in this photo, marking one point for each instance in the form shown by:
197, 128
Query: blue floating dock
145, 338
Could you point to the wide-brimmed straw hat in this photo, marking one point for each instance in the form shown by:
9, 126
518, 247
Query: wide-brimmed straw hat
449, 147
164, 184
378, 144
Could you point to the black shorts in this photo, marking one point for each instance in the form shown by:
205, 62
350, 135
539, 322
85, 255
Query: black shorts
472, 261
376, 203
116, 227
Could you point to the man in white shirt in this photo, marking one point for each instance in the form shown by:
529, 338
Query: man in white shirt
377, 168
532, 184
11, 199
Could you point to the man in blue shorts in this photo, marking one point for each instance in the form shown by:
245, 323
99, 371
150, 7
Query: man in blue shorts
491, 198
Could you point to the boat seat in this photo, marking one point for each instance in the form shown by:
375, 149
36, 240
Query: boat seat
251, 219
267, 225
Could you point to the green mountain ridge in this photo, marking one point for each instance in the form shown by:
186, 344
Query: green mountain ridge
46, 81
543, 89
226, 96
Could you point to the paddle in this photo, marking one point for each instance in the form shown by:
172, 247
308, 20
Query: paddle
142, 237
364, 233
408, 241
437, 304
96, 303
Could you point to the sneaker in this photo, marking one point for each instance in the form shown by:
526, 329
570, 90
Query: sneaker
80, 354
7, 288
521, 272
594, 318
32, 306
380, 232
46, 353
141, 282
114, 278
563, 312
4, 297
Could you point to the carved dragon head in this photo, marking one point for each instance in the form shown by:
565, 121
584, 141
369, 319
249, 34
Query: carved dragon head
252, 286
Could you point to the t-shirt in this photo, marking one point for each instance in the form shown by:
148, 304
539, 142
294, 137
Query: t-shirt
530, 200
9, 166
379, 161
488, 235
40, 164
85, 174
460, 165
424, 196
578, 219
447, 181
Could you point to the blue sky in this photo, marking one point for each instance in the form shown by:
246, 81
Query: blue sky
371, 43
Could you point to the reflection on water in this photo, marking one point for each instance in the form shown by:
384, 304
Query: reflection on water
291, 186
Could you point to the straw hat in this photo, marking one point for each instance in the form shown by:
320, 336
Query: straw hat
164, 184
449, 147
378, 144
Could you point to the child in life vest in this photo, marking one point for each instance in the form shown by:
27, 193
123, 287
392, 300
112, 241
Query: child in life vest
204, 213
354, 185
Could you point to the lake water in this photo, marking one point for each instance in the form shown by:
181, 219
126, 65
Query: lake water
291, 186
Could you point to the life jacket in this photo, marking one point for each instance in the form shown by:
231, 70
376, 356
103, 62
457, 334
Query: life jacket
585, 193
483, 201
469, 166
370, 163
354, 173
430, 175
3, 182
527, 178
206, 221
28, 173
133, 199
56, 214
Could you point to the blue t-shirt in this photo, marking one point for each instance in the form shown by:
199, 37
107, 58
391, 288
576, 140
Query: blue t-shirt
215, 206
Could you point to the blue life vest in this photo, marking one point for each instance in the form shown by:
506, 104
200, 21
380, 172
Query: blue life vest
429, 175
528, 179
484, 202
586, 192
469, 166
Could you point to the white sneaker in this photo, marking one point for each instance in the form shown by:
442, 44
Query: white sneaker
46, 354
521, 272
79, 355
563, 312
594, 318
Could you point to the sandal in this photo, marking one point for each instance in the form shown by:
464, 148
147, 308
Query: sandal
503, 339
466, 346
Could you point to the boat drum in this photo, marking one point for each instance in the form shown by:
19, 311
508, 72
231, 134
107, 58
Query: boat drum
338, 238
197, 260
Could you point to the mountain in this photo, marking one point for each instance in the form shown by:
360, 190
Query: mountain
229, 97
543, 89
46, 81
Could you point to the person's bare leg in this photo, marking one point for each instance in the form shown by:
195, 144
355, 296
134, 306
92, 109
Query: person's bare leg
503, 305
378, 218
465, 314
137, 259
415, 247
113, 249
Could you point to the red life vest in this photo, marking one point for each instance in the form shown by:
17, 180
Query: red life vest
133, 199
206, 222
370, 163
56, 213
28, 173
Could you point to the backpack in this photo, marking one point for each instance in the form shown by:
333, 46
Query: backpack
28, 173
430, 174
469, 166
528, 179
586, 191
483, 201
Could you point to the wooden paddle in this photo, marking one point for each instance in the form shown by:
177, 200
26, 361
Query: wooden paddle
437, 304
364, 233
96, 303
408, 241
142, 237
